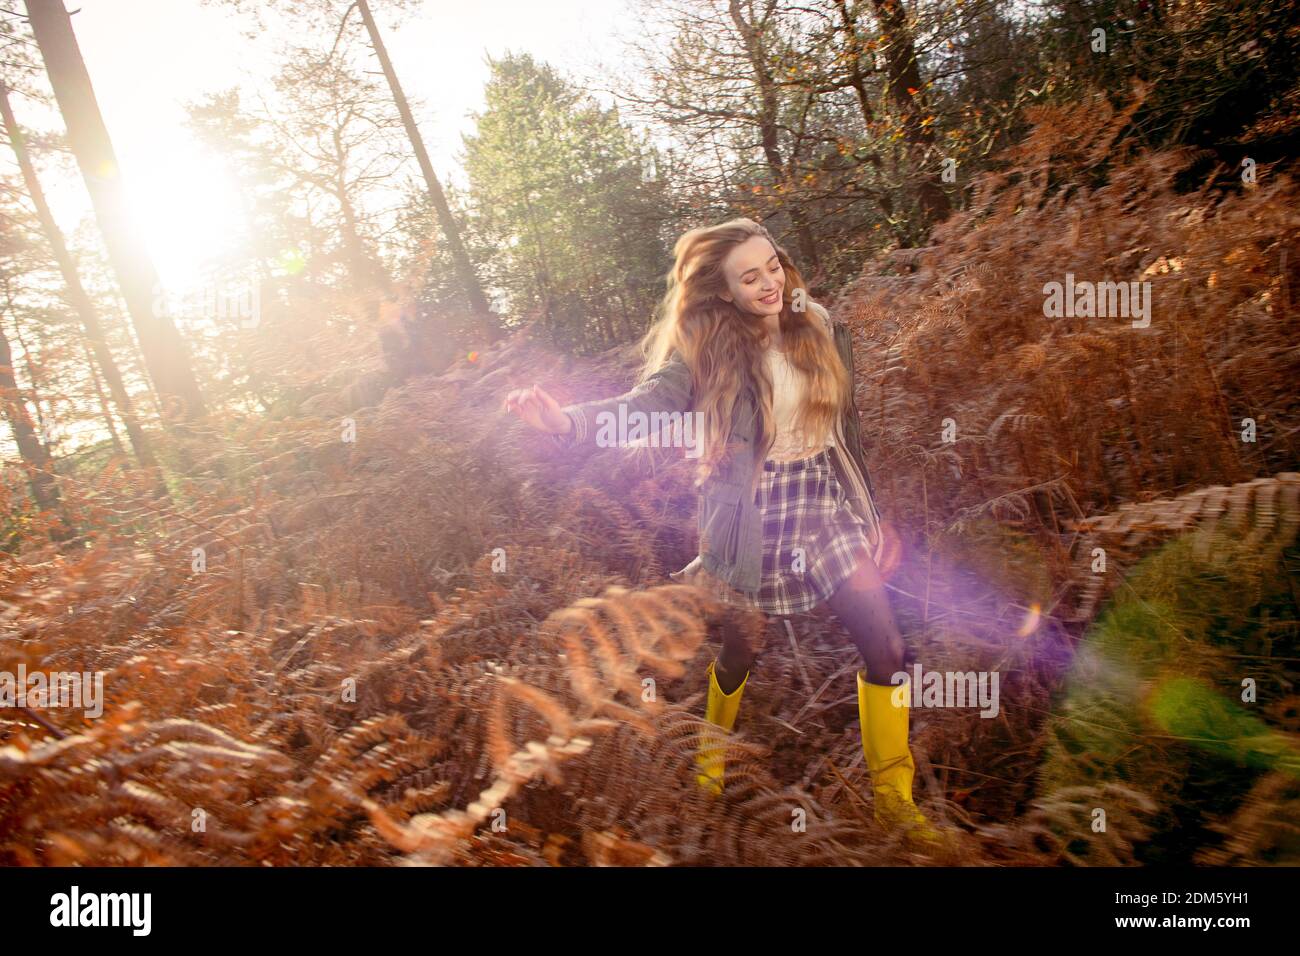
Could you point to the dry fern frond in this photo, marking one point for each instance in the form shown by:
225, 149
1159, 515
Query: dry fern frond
1264, 514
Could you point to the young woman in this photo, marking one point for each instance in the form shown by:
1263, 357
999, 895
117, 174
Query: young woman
787, 518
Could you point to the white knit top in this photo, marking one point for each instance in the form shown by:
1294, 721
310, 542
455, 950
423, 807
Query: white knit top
788, 387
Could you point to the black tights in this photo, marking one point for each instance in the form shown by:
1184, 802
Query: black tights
860, 604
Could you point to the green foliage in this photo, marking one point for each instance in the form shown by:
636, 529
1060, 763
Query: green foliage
564, 209
1154, 701
1215, 68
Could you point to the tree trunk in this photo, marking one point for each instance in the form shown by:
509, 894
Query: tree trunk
769, 133
368, 276
486, 321
858, 80
35, 380
35, 455
77, 296
904, 76
165, 354
104, 410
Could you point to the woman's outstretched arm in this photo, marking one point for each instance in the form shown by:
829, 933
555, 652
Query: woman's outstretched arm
667, 390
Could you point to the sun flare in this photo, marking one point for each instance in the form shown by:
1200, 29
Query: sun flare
188, 211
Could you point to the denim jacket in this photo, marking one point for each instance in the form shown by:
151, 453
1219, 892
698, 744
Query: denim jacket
730, 521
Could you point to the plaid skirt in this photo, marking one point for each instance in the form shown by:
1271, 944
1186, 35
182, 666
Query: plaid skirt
812, 540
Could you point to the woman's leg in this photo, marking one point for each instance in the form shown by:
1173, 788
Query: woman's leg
737, 654
739, 629
862, 606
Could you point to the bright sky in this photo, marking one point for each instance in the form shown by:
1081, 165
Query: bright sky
146, 58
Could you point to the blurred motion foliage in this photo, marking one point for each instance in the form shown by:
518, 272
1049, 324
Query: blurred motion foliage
357, 479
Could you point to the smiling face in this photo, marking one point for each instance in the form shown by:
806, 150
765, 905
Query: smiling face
754, 276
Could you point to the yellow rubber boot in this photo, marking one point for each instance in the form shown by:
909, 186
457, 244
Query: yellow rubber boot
721, 710
884, 744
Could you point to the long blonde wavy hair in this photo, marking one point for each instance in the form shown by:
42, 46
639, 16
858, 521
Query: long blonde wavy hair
724, 347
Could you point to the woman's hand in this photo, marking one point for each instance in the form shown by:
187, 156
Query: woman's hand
539, 409
892, 550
